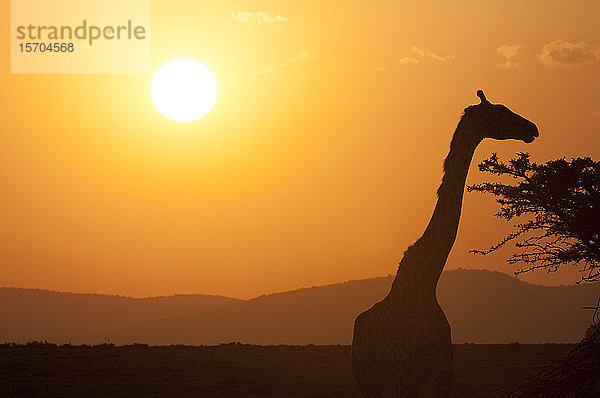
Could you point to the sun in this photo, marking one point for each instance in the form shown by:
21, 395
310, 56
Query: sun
184, 90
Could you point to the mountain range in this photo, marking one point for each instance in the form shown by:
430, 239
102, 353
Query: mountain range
481, 306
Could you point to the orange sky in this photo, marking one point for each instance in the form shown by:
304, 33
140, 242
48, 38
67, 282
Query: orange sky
319, 162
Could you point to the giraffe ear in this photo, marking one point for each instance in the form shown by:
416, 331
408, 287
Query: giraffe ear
481, 96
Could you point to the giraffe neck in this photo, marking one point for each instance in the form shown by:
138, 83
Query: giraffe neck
423, 262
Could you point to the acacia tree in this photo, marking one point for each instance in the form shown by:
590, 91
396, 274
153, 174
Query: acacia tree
559, 202
559, 205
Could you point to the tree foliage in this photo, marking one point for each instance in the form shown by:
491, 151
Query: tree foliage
575, 375
558, 207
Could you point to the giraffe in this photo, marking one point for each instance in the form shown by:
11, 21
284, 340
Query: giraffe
404, 341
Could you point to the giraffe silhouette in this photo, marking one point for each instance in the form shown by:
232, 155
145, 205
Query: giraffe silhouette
404, 340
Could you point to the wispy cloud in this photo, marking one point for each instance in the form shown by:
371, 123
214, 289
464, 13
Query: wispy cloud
569, 54
509, 52
255, 18
420, 56
426, 55
300, 55
407, 61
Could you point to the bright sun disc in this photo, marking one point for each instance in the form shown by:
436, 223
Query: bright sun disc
184, 90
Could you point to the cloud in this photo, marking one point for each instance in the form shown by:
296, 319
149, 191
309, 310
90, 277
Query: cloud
508, 64
300, 55
569, 54
250, 18
426, 54
509, 52
595, 115
407, 61
420, 56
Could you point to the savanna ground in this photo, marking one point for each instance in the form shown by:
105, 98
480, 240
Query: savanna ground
237, 370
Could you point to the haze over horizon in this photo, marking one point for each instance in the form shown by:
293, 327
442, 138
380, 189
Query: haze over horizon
319, 162
316, 315
293, 289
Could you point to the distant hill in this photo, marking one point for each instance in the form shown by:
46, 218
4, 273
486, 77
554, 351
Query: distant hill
482, 307
32, 314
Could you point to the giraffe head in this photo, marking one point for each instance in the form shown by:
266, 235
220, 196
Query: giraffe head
498, 122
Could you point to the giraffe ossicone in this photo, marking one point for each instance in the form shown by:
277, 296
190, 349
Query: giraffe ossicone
481, 96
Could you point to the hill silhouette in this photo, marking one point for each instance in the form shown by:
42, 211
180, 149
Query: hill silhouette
34, 314
482, 307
